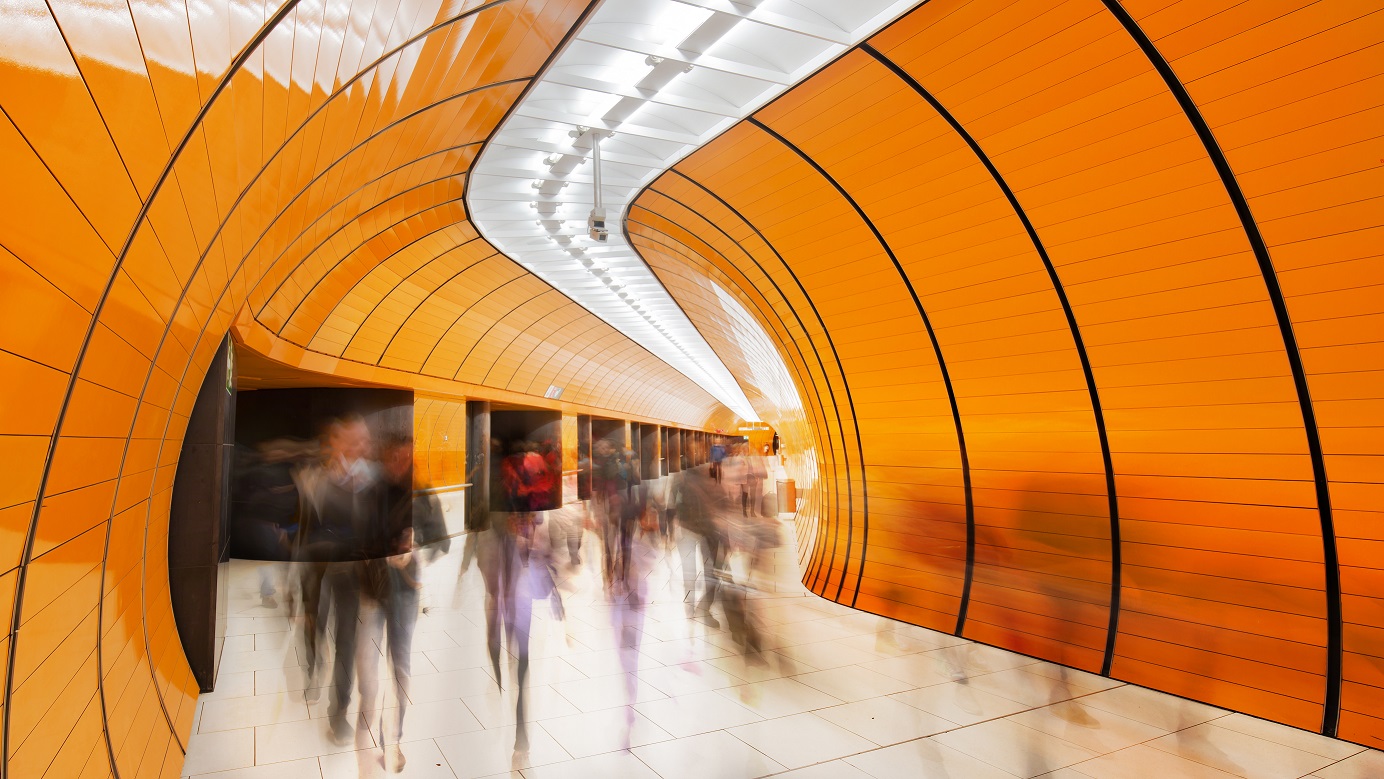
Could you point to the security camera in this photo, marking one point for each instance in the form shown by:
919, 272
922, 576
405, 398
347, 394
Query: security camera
596, 225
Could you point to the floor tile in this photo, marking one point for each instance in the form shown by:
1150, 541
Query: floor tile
885, 721
231, 685
1168, 712
422, 760
923, 759
429, 720
834, 769
1365, 765
853, 683
959, 703
606, 662
717, 754
1029, 688
801, 740
779, 697
918, 670
1143, 762
1289, 736
765, 666
294, 769
450, 684
1240, 754
608, 730
683, 650
258, 660
233, 713
611, 765
485, 752
1086, 726
688, 715
307, 738
606, 692
1011, 747
495, 708
825, 655
699, 676
220, 751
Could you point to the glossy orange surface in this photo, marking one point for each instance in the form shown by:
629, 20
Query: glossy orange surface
851, 214
295, 174
299, 167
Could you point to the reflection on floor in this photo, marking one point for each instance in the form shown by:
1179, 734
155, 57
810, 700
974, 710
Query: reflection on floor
842, 694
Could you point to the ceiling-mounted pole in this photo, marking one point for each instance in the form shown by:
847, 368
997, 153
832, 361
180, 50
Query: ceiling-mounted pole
596, 223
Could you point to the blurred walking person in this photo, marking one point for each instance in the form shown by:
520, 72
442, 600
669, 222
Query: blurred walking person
343, 508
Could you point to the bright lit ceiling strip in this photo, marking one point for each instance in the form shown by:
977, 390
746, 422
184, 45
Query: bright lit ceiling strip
654, 80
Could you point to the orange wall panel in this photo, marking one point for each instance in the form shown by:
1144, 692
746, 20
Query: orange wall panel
1139, 241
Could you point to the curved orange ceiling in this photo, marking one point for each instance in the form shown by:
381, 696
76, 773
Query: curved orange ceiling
1078, 298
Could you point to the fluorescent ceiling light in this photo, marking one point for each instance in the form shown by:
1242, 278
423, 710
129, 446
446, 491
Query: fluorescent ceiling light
657, 79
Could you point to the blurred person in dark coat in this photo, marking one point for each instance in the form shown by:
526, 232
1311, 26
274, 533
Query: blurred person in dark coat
343, 512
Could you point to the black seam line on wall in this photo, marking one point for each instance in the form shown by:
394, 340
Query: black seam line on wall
422, 267
787, 334
343, 88
750, 284
404, 322
573, 354
153, 366
348, 255
443, 336
1112, 629
518, 331
831, 344
624, 228
17, 612
834, 491
346, 155
347, 223
1331, 713
577, 311
124, 165
565, 347
936, 348
239, 267
346, 85
818, 411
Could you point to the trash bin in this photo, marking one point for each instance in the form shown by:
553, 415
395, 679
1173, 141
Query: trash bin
787, 496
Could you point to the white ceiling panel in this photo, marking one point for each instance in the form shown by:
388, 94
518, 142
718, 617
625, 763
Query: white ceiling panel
655, 80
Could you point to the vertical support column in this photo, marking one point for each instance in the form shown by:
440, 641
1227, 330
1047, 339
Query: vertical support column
648, 451
478, 465
636, 445
583, 457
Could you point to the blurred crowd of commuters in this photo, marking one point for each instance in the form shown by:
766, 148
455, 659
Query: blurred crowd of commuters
357, 526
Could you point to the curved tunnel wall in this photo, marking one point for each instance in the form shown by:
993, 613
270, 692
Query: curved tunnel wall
1082, 300
293, 174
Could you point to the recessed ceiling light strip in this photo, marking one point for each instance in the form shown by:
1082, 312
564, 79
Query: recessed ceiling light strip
651, 81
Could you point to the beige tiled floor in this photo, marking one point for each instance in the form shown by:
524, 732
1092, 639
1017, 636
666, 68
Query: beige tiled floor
838, 695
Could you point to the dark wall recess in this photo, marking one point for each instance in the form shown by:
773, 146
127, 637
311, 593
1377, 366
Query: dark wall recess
197, 525
510, 428
648, 452
478, 465
583, 457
